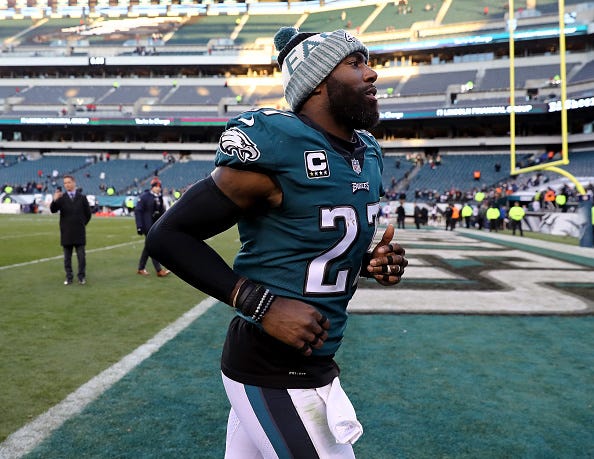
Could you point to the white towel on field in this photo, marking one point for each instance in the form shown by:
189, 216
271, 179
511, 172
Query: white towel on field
341, 415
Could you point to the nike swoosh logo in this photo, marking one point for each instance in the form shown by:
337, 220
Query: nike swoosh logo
247, 121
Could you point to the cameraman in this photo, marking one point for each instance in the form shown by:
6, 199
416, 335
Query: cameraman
148, 210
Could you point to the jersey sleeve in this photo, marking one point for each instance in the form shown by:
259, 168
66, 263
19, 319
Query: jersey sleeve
254, 140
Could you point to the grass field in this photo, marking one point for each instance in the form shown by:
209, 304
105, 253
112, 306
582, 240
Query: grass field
424, 386
53, 338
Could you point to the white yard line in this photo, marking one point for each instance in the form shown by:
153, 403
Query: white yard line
24, 440
60, 257
20, 236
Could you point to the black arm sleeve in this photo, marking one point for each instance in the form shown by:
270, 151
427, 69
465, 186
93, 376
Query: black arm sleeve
177, 239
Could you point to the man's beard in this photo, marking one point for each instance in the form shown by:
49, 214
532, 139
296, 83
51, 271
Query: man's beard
350, 108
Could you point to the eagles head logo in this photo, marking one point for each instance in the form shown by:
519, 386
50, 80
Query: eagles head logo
234, 142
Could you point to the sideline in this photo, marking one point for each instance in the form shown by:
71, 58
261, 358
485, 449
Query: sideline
24, 440
572, 253
61, 256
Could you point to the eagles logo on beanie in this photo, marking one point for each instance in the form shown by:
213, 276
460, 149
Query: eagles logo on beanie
306, 59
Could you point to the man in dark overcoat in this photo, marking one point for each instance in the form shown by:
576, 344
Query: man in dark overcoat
75, 213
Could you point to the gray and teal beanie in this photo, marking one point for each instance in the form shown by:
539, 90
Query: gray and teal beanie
306, 59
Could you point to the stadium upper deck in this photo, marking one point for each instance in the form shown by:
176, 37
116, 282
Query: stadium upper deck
155, 74
94, 29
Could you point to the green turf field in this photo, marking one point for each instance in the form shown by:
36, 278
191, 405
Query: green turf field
53, 338
424, 386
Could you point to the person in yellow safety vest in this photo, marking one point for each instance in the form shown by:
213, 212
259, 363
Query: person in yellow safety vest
493, 215
516, 214
8, 189
467, 214
129, 203
561, 200
175, 196
592, 212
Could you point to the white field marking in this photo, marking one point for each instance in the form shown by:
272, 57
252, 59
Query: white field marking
526, 294
60, 257
24, 440
20, 236
522, 278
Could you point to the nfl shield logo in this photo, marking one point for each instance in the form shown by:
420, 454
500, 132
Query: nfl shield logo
356, 166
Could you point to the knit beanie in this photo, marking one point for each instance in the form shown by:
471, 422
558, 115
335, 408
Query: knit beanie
306, 59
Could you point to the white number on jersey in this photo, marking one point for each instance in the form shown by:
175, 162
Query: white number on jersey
318, 269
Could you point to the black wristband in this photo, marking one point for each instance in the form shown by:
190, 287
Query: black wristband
364, 263
253, 300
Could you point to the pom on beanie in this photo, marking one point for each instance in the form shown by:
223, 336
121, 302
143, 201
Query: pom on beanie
306, 59
283, 36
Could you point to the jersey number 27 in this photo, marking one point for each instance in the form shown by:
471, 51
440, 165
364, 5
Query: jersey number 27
318, 270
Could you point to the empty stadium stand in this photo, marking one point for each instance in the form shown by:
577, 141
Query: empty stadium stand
585, 73
456, 171
499, 78
173, 80
257, 27
437, 82
201, 94
180, 175
123, 175
201, 29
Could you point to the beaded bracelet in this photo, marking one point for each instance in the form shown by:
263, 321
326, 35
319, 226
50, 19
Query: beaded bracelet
253, 300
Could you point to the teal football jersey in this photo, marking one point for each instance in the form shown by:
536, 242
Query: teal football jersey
311, 246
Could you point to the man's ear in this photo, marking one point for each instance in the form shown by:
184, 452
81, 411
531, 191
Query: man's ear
321, 87
318, 97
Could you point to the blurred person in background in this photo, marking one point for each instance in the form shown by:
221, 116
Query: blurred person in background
148, 210
516, 215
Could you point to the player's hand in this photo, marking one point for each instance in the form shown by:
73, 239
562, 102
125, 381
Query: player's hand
387, 260
297, 324
139, 231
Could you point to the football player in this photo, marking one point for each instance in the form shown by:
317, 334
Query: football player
304, 188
